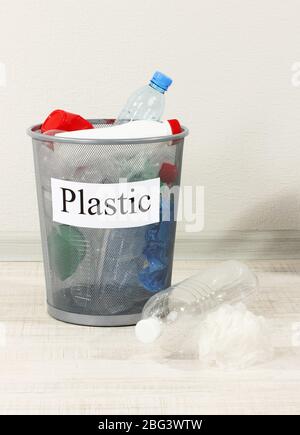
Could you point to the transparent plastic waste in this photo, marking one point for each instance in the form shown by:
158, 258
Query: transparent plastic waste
118, 268
148, 102
170, 314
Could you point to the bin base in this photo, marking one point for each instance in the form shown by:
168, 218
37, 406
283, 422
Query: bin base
89, 320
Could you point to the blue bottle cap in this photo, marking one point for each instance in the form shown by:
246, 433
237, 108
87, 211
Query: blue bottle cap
161, 80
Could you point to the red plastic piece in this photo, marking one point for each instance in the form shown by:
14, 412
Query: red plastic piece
61, 120
168, 173
175, 126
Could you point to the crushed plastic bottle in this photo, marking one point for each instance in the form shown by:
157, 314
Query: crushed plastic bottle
228, 282
147, 102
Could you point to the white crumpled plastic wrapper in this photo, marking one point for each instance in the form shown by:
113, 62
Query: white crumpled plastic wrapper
233, 336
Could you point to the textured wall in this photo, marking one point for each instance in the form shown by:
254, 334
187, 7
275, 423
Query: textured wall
231, 64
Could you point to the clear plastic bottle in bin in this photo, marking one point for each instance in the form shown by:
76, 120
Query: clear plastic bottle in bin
147, 102
124, 253
228, 282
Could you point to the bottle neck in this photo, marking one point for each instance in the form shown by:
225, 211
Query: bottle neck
157, 88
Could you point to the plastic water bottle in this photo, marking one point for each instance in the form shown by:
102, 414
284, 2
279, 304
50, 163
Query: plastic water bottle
147, 102
228, 282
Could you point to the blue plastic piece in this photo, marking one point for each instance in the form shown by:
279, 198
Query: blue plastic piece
158, 252
153, 282
161, 80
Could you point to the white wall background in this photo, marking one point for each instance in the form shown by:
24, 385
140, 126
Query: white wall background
231, 64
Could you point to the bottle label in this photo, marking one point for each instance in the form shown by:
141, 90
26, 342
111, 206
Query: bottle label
117, 205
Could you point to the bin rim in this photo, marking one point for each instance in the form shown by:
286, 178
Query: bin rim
34, 132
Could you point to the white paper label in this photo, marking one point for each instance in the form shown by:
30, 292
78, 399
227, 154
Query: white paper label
118, 205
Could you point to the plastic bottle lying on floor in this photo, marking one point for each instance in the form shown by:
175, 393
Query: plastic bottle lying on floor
228, 282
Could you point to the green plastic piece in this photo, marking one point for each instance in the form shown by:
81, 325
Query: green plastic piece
148, 172
67, 248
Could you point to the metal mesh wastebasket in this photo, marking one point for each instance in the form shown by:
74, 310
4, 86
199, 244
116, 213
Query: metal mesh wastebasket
102, 274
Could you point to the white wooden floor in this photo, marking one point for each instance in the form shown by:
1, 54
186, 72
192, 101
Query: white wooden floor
51, 367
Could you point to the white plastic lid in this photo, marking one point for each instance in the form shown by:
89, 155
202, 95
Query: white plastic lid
148, 330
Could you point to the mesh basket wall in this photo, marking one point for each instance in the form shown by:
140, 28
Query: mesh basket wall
98, 275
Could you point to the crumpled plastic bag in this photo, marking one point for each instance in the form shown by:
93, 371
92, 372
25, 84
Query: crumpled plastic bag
233, 336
